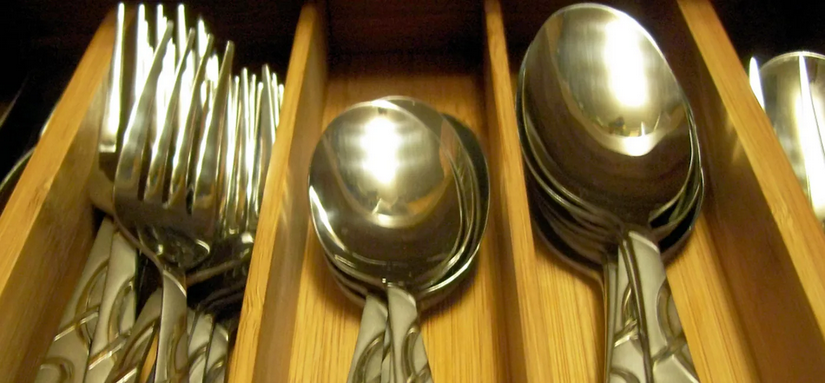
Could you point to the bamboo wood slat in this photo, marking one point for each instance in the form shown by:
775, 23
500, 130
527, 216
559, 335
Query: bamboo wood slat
749, 285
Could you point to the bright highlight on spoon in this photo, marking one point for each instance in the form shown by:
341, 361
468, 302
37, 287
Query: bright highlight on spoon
756, 82
380, 144
625, 63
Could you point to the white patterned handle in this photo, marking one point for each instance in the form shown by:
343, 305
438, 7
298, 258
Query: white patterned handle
369, 348
410, 363
645, 341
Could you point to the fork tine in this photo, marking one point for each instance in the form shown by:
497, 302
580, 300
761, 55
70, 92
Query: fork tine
160, 21
182, 32
190, 60
254, 168
142, 48
178, 184
276, 99
107, 141
241, 167
265, 136
209, 160
130, 166
235, 118
157, 179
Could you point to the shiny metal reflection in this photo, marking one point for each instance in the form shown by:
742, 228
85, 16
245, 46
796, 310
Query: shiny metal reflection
614, 175
611, 118
383, 195
792, 86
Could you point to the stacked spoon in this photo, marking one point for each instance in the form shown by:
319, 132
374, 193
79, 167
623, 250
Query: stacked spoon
614, 176
183, 152
399, 198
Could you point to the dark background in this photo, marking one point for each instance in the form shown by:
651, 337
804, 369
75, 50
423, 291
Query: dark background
767, 28
42, 40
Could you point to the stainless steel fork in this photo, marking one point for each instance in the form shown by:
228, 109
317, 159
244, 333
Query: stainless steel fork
175, 234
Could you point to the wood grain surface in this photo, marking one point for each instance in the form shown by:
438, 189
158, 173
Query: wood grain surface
47, 228
770, 245
527, 331
546, 315
750, 284
396, 25
268, 315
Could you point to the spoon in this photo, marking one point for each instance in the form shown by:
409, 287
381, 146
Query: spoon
387, 207
616, 128
430, 296
368, 360
381, 189
793, 96
456, 149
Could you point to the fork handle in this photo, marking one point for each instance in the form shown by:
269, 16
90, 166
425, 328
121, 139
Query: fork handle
173, 339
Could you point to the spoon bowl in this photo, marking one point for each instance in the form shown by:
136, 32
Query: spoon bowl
793, 95
610, 118
399, 197
610, 144
431, 294
383, 196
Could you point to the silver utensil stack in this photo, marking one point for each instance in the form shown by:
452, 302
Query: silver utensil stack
183, 152
614, 176
399, 196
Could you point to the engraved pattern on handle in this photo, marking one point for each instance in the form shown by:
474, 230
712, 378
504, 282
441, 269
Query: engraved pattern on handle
409, 354
135, 358
200, 331
81, 327
65, 361
117, 311
370, 346
173, 340
645, 341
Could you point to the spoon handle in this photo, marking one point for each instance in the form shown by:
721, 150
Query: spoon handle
369, 348
645, 341
410, 362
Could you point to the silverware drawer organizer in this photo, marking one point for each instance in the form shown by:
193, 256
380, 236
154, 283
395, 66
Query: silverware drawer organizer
749, 286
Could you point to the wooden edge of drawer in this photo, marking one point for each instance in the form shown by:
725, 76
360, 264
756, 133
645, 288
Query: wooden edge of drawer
770, 245
49, 220
272, 287
527, 332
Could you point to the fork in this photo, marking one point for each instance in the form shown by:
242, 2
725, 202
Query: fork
175, 233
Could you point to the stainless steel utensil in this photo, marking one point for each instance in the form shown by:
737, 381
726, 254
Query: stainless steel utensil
135, 360
175, 240
607, 135
427, 297
381, 324
387, 207
381, 189
462, 164
792, 92
117, 311
186, 176
65, 361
